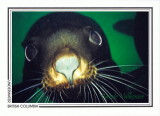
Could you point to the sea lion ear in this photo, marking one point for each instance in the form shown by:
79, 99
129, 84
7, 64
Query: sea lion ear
30, 52
95, 38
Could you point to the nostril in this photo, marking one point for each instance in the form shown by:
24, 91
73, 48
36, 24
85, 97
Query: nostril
66, 65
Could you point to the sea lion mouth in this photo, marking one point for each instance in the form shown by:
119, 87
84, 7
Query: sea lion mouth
68, 70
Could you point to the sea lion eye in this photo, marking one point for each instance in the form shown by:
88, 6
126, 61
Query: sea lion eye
95, 38
30, 52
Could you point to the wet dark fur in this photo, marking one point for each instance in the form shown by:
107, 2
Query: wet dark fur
40, 34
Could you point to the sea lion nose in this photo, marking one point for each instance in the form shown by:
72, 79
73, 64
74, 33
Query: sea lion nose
66, 65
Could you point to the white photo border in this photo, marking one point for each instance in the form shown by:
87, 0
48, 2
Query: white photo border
39, 9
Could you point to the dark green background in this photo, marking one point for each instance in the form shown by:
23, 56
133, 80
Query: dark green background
122, 46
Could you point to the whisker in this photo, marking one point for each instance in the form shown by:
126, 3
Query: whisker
66, 94
101, 62
124, 80
40, 97
27, 88
45, 97
123, 84
94, 97
103, 68
105, 91
111, 84
79, 91
90, 93
119, 72
87, 94
84, 93
92, 61
117, 92
34, 79
95, 94
110, 95
53, 99
38, 72
99, 92
33, 95
49, 97
61, 97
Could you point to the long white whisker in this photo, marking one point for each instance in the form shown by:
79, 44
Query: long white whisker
92, 61
99, 92
124, 80
33, 95
123, 84
112, 89
27, 88
101, 62
100, 69
111, 84
61, 97
45, 101
49, 97
90, 93
34, 79
105, 91
44, 96
119, 72
79, 91
40, 97
117, 92
95, 93
109, 94
94, 97
54, 96
66, 94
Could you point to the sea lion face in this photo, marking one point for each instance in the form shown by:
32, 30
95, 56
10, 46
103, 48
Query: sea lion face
64, 55
67, 61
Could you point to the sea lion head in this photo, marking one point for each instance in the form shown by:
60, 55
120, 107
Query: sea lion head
62, 49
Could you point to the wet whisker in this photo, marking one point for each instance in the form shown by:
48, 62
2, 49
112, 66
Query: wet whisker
61, 97
96, 96
42, 95
101, 62
90, 93
33, 86
99, 92
84, 93
33, 95
107, 77
118, 72
105, 91
49, 97
108, 67
124, 80
117, 92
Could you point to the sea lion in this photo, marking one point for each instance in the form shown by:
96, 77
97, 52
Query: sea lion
68, 59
